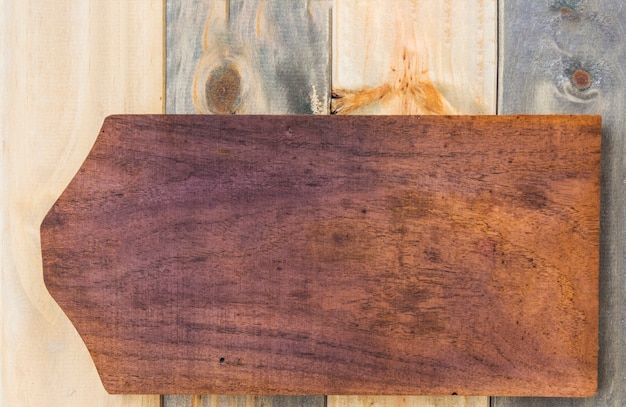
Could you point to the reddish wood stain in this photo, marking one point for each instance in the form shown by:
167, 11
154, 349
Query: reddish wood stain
334, 255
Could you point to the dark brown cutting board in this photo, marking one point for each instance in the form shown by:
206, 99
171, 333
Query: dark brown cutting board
334, 255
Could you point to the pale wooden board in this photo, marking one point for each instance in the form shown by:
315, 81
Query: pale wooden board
413, 57
407, 401
255, 56
541, 48
65, 66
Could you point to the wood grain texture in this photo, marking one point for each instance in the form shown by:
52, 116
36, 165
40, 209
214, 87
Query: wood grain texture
348, 255
407, 401
243, 401
414, 57
65, 65
568, 57
248, 57
254, 56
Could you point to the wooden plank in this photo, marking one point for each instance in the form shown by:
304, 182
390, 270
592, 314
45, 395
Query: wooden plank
254, 56
349, 255
243, 401
568, 57
65, 65
414, 57
280, 51
406, 401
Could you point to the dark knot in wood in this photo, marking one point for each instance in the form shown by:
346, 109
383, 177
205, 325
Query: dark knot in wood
223, 89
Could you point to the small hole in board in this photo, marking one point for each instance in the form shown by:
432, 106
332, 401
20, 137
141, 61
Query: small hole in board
222, 361
454, 393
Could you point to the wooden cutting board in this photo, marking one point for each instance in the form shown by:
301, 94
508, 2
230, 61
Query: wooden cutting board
334, 255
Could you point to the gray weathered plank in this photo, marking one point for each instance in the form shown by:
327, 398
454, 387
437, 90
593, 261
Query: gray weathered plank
253, 56
566, 57
178, 401
242, 401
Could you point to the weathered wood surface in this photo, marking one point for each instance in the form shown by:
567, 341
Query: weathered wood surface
568, 57
242, 401
65, 65
248, 57
253, 56
348, 255
414, 57
407, 401
462, 62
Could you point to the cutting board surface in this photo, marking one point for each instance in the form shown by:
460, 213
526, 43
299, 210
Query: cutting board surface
334, 255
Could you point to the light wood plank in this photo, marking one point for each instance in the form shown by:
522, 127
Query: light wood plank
407, 401
413, 57
568, 57
253, 56
65, 65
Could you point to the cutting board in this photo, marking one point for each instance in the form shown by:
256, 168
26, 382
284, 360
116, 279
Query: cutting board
334, 255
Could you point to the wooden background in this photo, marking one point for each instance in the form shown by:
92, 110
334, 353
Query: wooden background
65, 65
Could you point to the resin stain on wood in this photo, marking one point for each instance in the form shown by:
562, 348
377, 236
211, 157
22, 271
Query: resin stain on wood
413, 57
340, 255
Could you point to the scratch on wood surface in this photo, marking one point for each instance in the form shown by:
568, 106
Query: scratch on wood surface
259, 16
448, 21
480, 72
317, 104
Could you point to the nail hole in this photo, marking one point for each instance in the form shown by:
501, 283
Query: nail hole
364, 210
222, 360
454, 393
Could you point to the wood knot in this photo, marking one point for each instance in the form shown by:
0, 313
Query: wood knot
581, 79
223, 89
